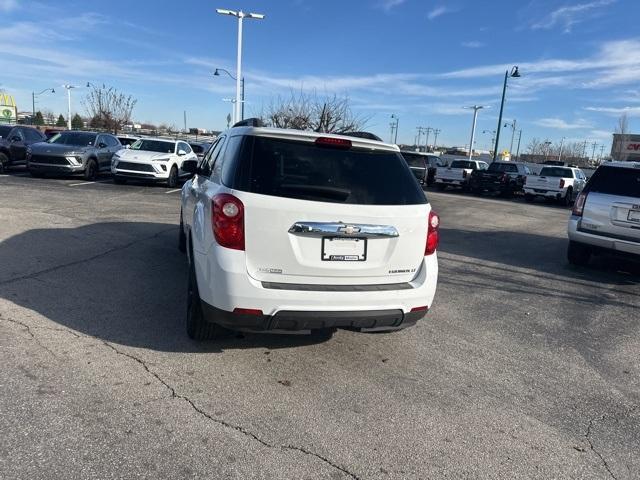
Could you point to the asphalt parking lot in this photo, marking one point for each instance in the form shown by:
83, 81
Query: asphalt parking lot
525, 367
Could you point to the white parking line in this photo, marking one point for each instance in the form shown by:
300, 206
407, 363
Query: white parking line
174, 191
87, 183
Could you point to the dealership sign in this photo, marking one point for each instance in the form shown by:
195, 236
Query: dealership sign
631, 147
8, 109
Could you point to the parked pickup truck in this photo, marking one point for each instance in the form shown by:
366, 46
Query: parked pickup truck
458, 173
505, 178
558, 183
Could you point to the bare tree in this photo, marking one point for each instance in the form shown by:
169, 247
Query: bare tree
108, 108
534, 146
303, 111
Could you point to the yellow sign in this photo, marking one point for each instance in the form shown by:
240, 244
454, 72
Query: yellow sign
8, 109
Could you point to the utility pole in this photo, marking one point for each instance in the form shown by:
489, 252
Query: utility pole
584, 148
561, 145
426, 140
518, 151
593, 152
394, 125
601, 151
185, 121
435, 138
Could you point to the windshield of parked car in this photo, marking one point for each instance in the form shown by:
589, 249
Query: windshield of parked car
556, 172
616, 181
502, 167
463, 164
4, 131
198, 148
80, 139
304, 170
154, 146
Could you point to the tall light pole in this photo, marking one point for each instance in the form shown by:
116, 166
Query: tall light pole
68, 88
561, 145
473, 126
33, 101
217, 74
511, 125
547, 144
518, 151
515, 74
240, 15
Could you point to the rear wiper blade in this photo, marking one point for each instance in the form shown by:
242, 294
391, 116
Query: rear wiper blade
319, 191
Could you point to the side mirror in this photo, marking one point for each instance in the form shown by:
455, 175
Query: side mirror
181, 153
127, 146
190, 166
102, 145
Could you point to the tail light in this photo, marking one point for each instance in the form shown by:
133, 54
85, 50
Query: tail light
578, 205
464, 174
562, 183
227, 221
433, 233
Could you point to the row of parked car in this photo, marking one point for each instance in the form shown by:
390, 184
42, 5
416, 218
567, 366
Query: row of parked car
92, 153
561, 183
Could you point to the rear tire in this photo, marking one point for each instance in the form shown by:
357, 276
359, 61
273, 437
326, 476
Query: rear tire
197, 326
172, 181
578, 254
91, 170
568, 198
4, 161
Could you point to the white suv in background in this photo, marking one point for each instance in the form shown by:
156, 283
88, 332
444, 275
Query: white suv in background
606, 215
290, 230
154, 159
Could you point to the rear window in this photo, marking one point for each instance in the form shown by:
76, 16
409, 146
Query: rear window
556, 172
503, 167
463, 164
414, 160
302, 170
616, 181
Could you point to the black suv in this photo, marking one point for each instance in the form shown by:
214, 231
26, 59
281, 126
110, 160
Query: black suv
14, 141
505, 178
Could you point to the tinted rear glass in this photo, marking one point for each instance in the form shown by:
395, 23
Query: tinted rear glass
74, 138
463, 164
414, 160
4, 131
302, 170
502, 167
556, 172
616, 181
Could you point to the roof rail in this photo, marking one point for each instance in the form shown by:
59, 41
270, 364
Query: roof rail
367, 135
249, 122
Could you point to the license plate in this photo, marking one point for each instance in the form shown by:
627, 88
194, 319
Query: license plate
634, 216
341, 249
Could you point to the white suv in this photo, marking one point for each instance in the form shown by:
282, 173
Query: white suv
290, 230
606, 215
154, 159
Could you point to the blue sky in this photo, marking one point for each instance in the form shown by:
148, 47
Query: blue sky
421, 60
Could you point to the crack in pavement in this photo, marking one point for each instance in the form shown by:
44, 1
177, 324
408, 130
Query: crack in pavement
226, 424
88, 259
587, 436
27, 328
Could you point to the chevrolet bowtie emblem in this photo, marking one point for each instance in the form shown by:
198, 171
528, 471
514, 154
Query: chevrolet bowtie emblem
349, 229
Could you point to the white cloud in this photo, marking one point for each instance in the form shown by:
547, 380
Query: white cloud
8, 5
568, 16
472, 44
616, 111
437, 12
600, 134
388, 5
559, 124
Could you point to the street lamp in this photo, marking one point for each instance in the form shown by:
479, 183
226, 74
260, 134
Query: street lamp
217, 74
240, 15
515, 74
68, 88
473, 125
547, 144
33, 101
513, 132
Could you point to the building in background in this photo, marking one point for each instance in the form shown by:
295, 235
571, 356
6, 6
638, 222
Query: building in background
8, 109
625, 147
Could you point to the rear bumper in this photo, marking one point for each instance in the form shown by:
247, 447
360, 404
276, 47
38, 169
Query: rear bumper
225, 285
601, 240
555, 194
453, 183
296, 321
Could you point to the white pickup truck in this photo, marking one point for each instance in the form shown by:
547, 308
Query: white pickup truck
458, 173
558, 183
